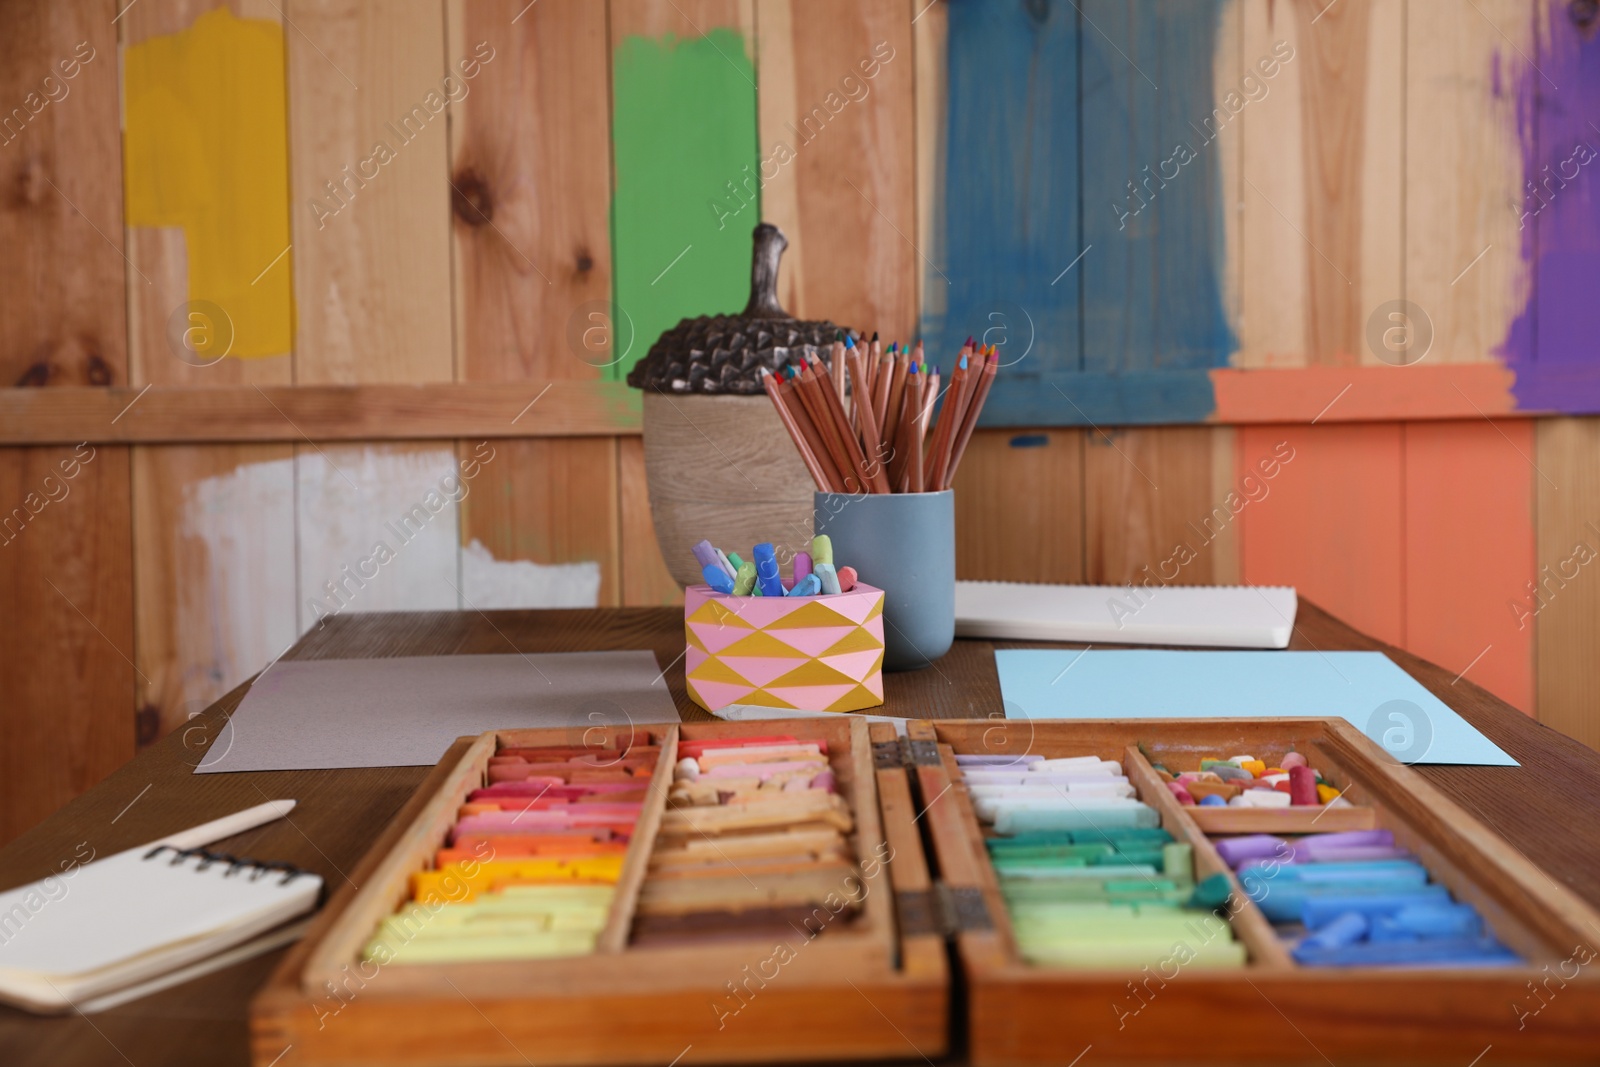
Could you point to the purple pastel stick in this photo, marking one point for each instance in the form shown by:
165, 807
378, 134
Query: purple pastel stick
1315, 844
1358, 854
706, 556
1235, 850
802, 566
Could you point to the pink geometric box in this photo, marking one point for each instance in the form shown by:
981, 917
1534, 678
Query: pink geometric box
817, 653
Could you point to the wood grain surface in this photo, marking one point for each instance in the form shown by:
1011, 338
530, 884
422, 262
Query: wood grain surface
1537, 808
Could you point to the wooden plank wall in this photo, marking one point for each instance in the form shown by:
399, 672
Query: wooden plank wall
166, 573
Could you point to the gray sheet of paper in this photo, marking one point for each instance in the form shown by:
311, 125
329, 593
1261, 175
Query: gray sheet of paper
405, 711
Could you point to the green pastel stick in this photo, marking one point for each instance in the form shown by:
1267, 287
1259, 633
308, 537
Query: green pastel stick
1177, 862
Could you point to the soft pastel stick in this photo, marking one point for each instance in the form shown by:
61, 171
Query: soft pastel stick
1322, 904
1346, 929
810, 585
767, 579
733, 558
717, 578
726, 563
1314, 843
847, 579
706, 555
1428, 920
802, 566
1454, 951
825, 574
821, 550
745, 580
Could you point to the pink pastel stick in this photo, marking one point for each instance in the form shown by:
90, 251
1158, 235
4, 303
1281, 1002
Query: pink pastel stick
802, 565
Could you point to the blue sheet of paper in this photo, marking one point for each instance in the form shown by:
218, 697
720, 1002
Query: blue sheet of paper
1366, 688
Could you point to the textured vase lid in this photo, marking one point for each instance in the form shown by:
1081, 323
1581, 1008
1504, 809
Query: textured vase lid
725, 354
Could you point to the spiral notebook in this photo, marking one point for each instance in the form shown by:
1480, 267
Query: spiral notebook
135, 915
1210, 616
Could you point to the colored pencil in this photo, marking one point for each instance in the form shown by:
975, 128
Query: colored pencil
949, 418
807, 456
809, 390
897, 392
841, 422
836, 366
991, 367
871, 443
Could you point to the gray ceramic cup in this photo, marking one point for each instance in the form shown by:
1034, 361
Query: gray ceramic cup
905, 544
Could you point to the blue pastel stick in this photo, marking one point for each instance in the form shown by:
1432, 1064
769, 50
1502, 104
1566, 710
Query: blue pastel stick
829, 578
1455, 951
1319, 910
1428, 921
1289, 902
767, 578
1347, 929
717, 578
1337, 873
810, 585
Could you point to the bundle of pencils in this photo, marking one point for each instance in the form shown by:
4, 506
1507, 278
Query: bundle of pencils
873, 436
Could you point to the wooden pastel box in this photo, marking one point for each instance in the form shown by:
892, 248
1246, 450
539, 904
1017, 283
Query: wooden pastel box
876, 988
1270, 1010
820, 653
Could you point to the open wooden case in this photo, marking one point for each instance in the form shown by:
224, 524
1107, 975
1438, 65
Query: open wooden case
1271, 1010
877, 989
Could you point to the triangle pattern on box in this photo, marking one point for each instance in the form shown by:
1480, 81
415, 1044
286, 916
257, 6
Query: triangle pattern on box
758, 670
712, 695
812, 653
858, 697
859, 639
813, 640
761, 643
714, 637
811, 613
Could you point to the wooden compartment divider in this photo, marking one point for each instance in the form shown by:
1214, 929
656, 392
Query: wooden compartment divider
1250, 926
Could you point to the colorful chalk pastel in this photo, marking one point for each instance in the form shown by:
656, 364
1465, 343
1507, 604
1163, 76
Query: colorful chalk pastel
802, 565
810, 585
847, 579
821, 549
1428, 920
1302, 786
717, 578
726, 563
825, 573
706, 555
767, 579
1346, 929
1441, 952
746, 579
1293, 759
1212, 800
733, 558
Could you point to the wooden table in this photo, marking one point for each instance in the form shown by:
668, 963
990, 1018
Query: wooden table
1546, 808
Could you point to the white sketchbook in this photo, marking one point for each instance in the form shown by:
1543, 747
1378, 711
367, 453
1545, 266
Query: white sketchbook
1210, 616
131, 917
